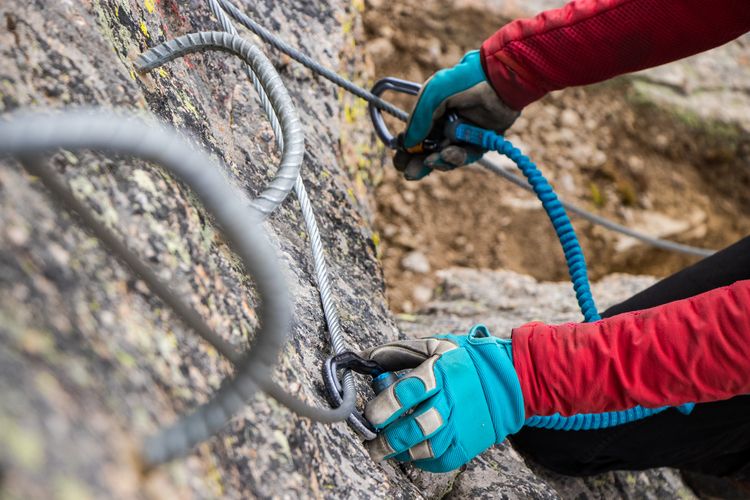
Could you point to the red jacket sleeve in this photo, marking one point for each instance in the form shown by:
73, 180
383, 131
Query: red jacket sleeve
691, 350
590, 41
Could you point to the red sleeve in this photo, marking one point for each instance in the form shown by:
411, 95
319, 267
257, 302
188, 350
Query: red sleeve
691, 350
589, 41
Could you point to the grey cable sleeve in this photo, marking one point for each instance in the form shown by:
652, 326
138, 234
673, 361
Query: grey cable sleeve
294, 147
168, 51
330, 310
29, 135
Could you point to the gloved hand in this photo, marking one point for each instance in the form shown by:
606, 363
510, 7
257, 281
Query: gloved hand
464, 89
461, 396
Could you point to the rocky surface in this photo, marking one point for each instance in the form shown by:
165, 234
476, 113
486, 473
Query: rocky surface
503, 300
92, 363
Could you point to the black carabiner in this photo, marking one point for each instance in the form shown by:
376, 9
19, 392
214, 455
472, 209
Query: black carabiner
429, 145
395, 85
381, 379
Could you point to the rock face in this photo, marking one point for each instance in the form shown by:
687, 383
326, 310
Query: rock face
92, 363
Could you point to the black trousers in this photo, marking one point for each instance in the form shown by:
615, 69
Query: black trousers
714, 439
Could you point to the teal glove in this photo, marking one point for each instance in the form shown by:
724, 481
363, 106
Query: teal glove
461, 396
463, 89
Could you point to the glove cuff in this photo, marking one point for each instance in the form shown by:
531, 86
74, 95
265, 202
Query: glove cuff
502, 388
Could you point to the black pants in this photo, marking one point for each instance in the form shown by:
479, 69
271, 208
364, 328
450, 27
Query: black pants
714, 439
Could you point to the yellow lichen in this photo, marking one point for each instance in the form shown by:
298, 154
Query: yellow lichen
144, 181
359, 182
213, 474
25, 447
125, 359
597, 197
68, 488
283, 443
188, 104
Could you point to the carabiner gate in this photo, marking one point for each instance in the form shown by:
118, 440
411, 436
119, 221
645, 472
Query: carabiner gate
348, 360
389, 83
395, 85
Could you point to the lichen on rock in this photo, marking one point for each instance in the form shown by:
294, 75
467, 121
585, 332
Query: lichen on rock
92, 362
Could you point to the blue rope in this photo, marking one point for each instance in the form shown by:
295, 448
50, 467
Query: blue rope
576, 262
486, 139
560, 222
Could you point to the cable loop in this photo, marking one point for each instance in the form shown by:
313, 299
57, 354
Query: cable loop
27, 136
290, 128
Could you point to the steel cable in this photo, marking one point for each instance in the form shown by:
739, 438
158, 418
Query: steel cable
232, 43
330, 310
310, 63
598, 219
337, 79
